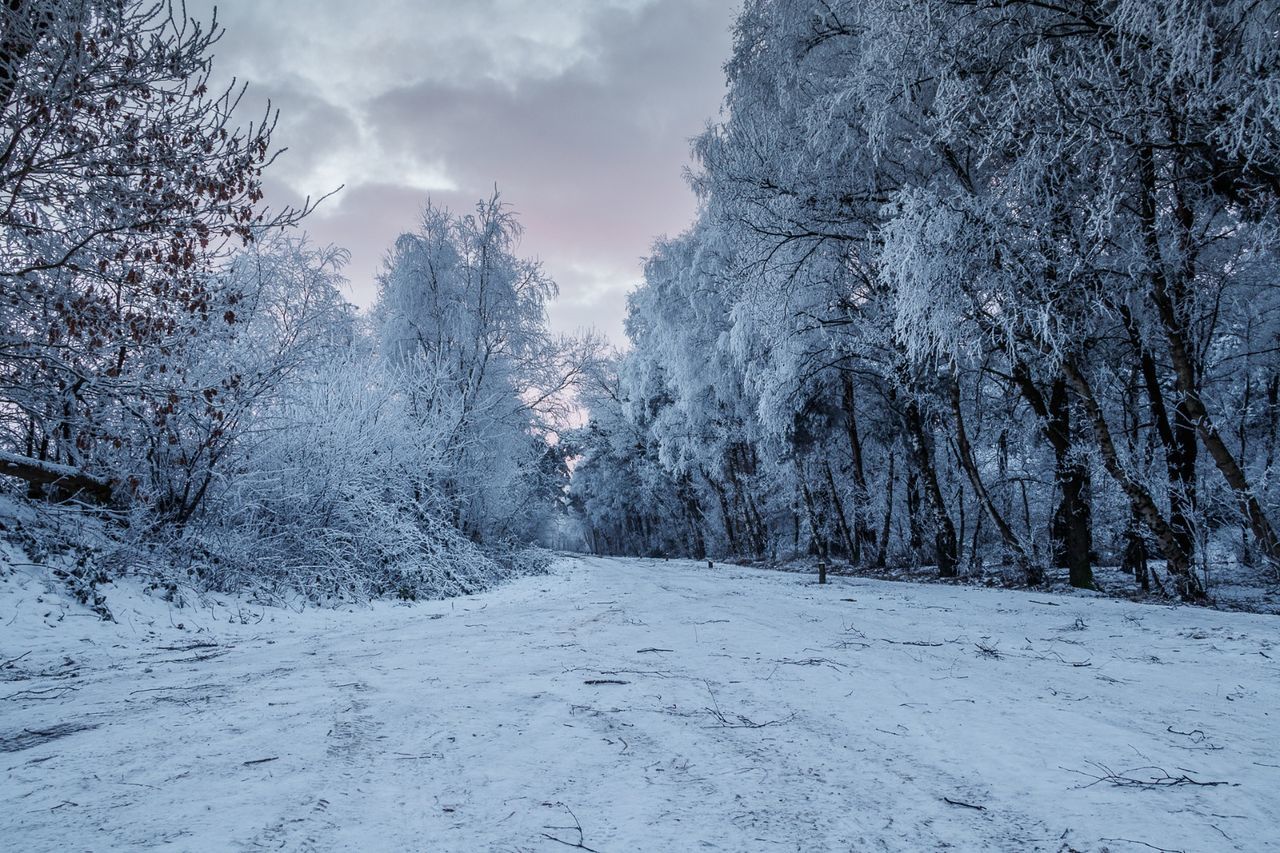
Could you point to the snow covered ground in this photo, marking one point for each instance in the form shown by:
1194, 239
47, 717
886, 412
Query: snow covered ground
640, 705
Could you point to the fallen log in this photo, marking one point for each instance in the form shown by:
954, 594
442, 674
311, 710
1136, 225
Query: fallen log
65, 479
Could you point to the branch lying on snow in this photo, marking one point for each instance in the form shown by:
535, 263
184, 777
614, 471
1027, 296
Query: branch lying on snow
577, 827
11, 661
1059, 658
912, 642
1196, 735
966, 805
1200, 740
197, 658
988, 650
28, 738
656, 673
739, 721
1158, 778
191, 647
809, 662
1144, 844
55, 692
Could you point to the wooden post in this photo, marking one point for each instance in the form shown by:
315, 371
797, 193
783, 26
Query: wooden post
822, 571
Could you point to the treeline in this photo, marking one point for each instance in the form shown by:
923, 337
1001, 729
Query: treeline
972, 281
175, 359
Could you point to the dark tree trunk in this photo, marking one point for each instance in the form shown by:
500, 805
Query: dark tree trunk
944, 531
1179, 564
1071, 530
1273, 422
1165, 295
1177, 454
863, 534
1072, 527
1031, 571
915, 530
882, 555
693, 517
726, 516
1134, 559
759, 534
852, 546
818, 545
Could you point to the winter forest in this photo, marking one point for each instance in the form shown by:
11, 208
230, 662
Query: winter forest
976, 322
972, 283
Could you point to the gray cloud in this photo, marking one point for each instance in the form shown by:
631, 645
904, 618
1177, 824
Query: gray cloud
579, 110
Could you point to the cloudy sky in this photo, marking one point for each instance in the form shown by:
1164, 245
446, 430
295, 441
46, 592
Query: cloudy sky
579, 111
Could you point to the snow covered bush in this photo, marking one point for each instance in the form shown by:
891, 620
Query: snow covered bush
171, 356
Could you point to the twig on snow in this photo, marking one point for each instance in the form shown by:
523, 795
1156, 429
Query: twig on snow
1196, 735
1159, 778
1144, 844
964, 804
909, 643
988, 650
189, 648
577, 827
810, 662
174, 687
739, 721
43, 692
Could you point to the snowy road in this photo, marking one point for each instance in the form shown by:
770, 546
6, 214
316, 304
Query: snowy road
657, 706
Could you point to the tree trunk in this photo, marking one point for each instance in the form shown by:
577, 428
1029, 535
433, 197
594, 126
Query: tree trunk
1134, 559
915, 533
944, 532
852, 546
1071, 530
725, 515
64, 480
883, 554
1031, 571
1273, 424
1179, 444
1164, 295
759, 533
693, 516
1144, 505
864, 535
817, 539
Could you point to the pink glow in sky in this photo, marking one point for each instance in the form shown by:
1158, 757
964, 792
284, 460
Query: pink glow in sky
580, 111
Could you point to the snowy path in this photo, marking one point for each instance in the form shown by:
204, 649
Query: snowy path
759, 712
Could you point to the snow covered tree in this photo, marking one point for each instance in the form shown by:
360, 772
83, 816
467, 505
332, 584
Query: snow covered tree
125, 182
462, 319
1025, 249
